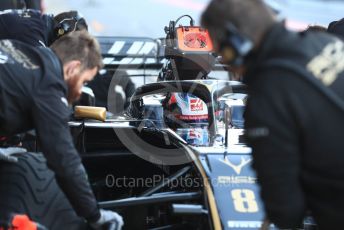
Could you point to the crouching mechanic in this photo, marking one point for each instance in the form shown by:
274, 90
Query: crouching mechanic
36, 29
36, 86
294, 115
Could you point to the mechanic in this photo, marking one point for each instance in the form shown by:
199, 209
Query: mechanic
32, 97
21, 4
120, 94
294, 116
33, 28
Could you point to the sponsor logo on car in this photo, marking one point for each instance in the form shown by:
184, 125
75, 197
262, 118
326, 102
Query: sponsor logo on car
239, 167
196, 104
247, 224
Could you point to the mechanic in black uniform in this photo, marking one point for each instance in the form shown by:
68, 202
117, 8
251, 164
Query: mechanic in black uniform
36, 86
20, 4
31, 27
34, 28
120, 92
294, 118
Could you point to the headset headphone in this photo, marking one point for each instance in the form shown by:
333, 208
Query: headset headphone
234, 46
70, 24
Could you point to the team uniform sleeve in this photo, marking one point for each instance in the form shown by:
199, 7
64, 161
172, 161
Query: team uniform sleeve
51, 114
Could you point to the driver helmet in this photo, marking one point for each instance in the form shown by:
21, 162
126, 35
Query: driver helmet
188, 116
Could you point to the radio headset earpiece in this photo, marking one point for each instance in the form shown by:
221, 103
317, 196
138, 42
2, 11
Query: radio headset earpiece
234, 46
67, 25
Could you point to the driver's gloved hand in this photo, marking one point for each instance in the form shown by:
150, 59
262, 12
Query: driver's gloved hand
108, 220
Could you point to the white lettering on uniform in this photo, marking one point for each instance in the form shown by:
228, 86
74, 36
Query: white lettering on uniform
329, 63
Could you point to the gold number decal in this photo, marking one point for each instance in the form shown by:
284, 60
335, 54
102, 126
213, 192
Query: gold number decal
244, 200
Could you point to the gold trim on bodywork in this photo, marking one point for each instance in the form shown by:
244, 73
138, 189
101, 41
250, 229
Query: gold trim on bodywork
209, 192
89, 112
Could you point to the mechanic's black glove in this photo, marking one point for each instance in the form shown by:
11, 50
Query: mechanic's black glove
108, 220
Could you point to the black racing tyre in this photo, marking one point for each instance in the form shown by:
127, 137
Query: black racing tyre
29, 187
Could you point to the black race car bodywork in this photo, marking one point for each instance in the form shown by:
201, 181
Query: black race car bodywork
213, 185
192, 185
139, 166
152, 170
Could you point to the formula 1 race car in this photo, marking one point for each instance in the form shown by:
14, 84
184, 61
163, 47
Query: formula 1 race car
171, 156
